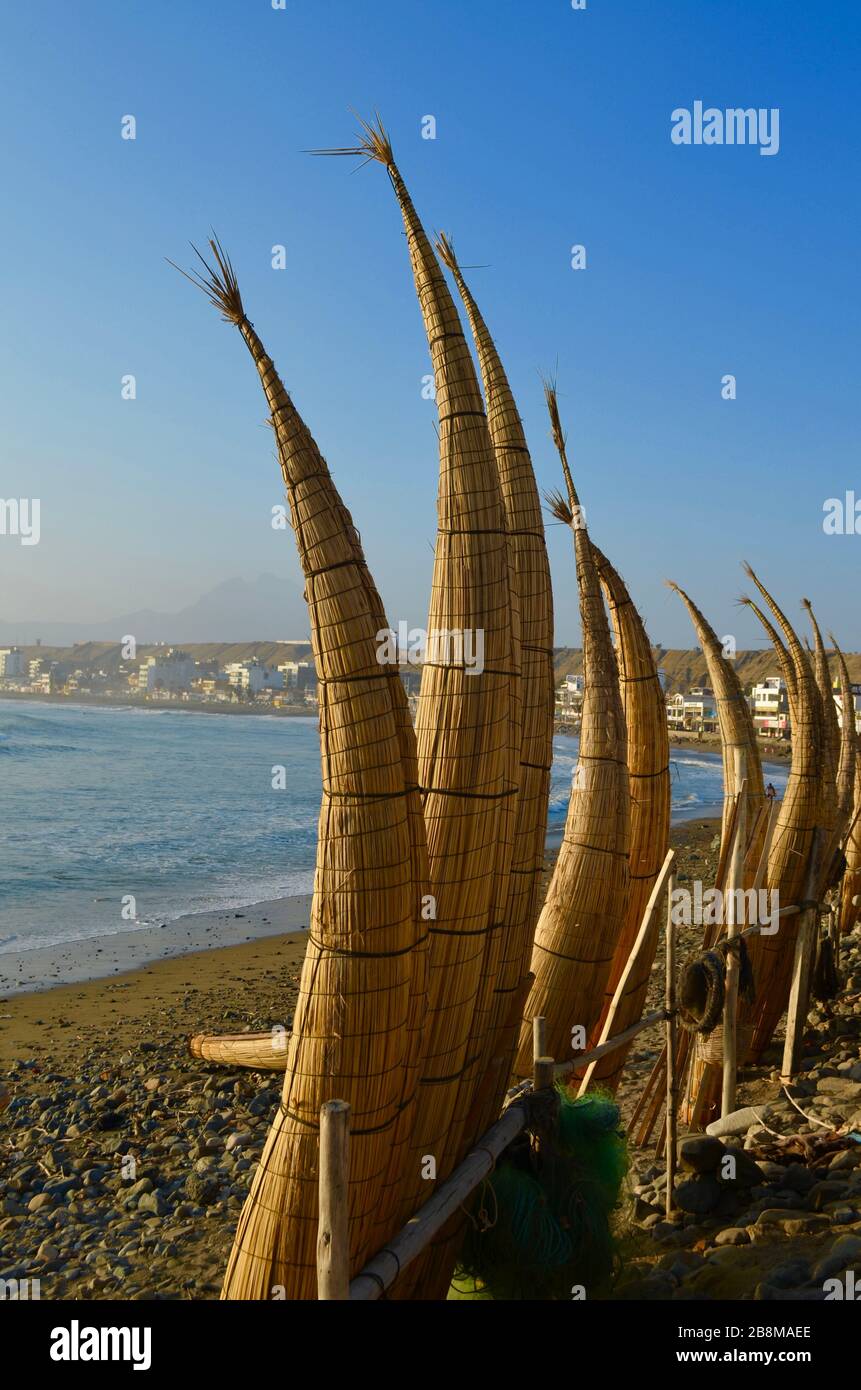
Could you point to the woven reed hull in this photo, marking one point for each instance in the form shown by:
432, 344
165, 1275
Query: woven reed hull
351, 1029
500, 997
531, 726
581, 921
482, 1028
359, 1018
533, 756
737, 731
799, 816
850, 914
772, 956
829, 808
830, 724
260, 1051
648, 755
848, 749
571, 958
463, 723
463, 851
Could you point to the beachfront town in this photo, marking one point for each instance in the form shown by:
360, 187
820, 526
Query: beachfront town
234, 676
695, 711
287, 681
163, 674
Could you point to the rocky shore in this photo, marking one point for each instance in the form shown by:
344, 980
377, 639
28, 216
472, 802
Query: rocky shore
124, 1162
770, 1208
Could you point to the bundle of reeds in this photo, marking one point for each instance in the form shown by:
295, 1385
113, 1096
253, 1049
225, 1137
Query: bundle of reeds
648, 757
850, 890
464, 714
849, 797
584, 913
532, 599
850, 893
798, 819
358, 1021
830, 812
848, 744
787, 669
259, 1051
736, 731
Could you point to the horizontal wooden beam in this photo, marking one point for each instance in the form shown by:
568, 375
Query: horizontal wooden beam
647, 1021
381, 1271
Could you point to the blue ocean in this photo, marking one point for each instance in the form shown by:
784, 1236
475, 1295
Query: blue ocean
179, 810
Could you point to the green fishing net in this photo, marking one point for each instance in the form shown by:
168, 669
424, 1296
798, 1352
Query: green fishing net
540, 1223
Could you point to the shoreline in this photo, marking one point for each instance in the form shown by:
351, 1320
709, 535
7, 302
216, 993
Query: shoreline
778, 751
42, 969
162, 706
770, 750
199, 954
82, 960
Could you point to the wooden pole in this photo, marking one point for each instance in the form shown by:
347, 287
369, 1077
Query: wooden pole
805, 951
631, 963
333, 1235
670, 1001
762, 866
736, 896
542, 1073
542, 1066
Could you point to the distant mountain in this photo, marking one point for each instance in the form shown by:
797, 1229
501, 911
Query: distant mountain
238, 610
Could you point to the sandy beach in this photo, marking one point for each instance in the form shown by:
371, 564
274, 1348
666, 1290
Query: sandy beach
94, 958
226, 966
126, 1161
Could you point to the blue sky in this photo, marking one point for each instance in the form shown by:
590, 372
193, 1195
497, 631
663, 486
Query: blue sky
553, 128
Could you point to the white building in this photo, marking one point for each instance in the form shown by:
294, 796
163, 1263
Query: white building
855, 691
769, 702
173, 670
676, 711
298, 675
12, 662
696, 711
253, 676
569, 697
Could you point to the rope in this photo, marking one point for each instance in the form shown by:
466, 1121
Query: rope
702, 988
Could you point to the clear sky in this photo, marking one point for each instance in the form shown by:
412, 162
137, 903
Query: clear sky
553, 128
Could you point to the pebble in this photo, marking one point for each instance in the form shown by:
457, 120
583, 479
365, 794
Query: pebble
732, 1235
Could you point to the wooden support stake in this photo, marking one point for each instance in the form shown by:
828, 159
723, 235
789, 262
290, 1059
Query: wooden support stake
632, 962
802, 966
735, 897
539, 1036
542, 1073
670, 1002
762, 866
333, 1235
